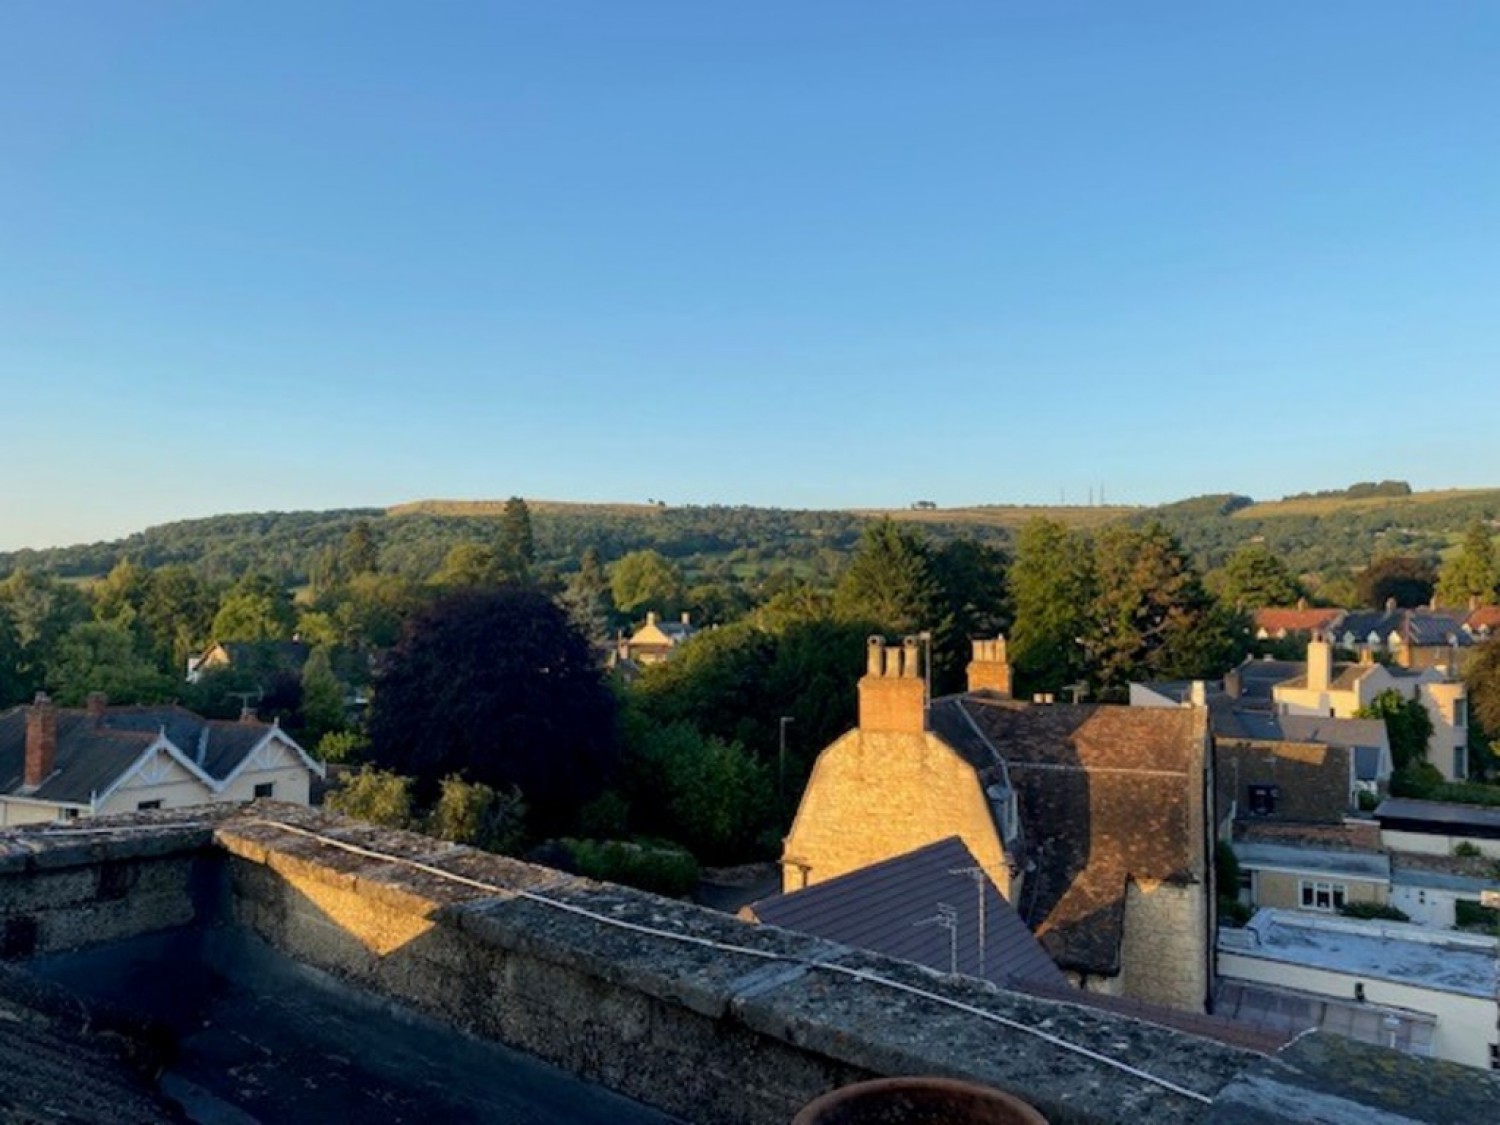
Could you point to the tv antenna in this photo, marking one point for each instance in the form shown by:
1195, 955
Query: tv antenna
946, 919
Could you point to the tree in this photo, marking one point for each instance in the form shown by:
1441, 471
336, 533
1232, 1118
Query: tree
42, 610
708, 794
1152, 618
1254, 578
322, 697
256, 608
1404, 579
645, 580
517, 551
889, 583
971, 579
468, 565
587, 598
1408, 726
1052, 587
359, 554
98, 656
1472, 573
498, 686
178, 613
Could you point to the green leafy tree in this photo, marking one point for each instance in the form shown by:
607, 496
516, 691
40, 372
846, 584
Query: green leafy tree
256, 608
710, 795
1152, 617
12, 680
468, 565
1405, 579
342, 746
378, 796
1255, 577
890, 584
322, 697
359, 553
975, 594
98, 656
500, 687
1408, 726
517, 552
42, 609
587, 597
1052, 587
645, 580
1472, 573
178, 613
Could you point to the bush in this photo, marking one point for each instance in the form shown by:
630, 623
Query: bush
1416, 779
1374, 910
342, 746
1464, 849
471, 813
1233, 912
661, 868
377, 796
1368, 802
1469, 915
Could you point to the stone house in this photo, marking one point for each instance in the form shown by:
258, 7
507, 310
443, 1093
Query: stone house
1093, 820
60, 763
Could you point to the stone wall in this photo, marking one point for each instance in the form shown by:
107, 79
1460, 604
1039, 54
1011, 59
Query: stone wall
691, 1011
877, 795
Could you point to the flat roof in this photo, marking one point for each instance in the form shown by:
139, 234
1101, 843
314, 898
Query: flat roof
1284, 857
1406, 812
1393, 951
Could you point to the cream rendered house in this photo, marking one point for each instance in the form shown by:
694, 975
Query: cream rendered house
63, 763
1342, 690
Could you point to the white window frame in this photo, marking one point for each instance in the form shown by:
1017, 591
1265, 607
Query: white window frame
1322, 895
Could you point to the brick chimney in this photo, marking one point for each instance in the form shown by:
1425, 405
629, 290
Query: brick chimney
1319, 663
989, 670
892, 694
97, 703
41, 741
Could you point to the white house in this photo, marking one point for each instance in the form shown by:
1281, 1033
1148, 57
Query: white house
62, 763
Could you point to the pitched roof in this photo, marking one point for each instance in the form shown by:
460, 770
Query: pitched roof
1485, 619
92, 754
891, 907
1107, 795
1257, 677
1275, 621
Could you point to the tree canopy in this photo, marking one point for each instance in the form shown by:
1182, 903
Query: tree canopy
1473, 572
496, 686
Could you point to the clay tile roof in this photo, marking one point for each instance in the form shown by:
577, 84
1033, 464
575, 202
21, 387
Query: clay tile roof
1108, 795
1275, 621
1484, 619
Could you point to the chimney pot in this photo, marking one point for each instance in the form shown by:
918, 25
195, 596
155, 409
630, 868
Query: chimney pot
1390, 605
651, 617
892, 696
1301, 603
687, 618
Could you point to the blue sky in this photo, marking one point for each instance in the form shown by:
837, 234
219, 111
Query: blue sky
309, 255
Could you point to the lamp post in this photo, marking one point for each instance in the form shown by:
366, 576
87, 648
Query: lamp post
781, 761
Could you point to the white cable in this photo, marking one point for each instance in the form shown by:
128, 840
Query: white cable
745, 951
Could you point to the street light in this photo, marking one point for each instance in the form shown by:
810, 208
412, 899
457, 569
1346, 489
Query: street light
781, 761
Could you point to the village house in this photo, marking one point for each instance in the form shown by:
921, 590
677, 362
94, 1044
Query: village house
59, 763
1092, 820
653, 642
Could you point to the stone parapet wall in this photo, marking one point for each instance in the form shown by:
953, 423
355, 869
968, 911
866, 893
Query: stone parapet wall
695, 1012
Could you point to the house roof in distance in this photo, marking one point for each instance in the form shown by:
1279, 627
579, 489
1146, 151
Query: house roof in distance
1408, 814
95, 751
1297, 619
1107, 795
892, 907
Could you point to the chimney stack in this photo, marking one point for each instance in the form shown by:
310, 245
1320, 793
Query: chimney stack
892, 694
41, 741
1319, 663
1198, 694
989, 670
97, 703
1390, 605
1301, 603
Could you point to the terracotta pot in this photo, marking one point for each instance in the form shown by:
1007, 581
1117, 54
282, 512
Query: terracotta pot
918, 1101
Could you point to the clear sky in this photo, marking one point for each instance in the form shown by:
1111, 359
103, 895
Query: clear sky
301, 254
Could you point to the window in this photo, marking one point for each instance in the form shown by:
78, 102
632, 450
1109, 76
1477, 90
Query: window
1460, 762
1460, 712
265, 789
70, 814
147, 806
1495, 1056
1263, 799
1327, 897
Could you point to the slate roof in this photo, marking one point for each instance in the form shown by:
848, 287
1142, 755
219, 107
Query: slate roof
1370, 866
93, 754
1423, 628
1107, 794
889, 908
1258, 677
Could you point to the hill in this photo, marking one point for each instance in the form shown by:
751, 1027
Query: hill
1325, 534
